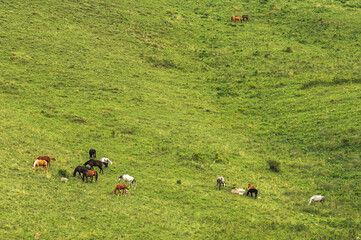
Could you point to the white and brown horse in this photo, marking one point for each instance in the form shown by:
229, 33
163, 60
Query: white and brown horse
38, 163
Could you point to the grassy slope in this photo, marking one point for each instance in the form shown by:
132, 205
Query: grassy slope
174, 91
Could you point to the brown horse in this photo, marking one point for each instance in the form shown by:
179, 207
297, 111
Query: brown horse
46, 158
121, 186
38, 163
90, 173
234, 18
250, 186
245, 17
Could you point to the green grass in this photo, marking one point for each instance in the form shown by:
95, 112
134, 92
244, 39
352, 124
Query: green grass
173, 90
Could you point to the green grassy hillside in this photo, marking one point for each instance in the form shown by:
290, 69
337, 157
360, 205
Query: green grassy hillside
174, 91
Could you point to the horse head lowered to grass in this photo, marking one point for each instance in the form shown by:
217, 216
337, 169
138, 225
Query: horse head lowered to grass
121, 186
80, 169
38, 163
96, 163
129, 179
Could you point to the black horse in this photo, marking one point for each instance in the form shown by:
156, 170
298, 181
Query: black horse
252, 190
80, 169
92, 153
96, 163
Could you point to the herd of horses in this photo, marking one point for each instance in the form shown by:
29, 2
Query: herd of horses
251, 189
89, 172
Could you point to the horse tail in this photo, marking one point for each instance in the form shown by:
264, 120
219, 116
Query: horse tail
74, 174
96, 176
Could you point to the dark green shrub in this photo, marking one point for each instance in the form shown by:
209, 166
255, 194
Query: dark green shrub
274, 165
63, 173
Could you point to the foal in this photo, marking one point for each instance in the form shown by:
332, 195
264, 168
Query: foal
121, 186
38, 163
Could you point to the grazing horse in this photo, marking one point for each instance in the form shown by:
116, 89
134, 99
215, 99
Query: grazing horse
317, 198
245, 17
46, 158
93, 153
128, 178
220, 181
234, 18
250, 186
80, 169
121, 186
106, 161
90, 173
96, 163
38, 163
252, 190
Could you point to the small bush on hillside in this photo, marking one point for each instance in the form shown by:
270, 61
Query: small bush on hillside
63, 173
274, 165
288, 50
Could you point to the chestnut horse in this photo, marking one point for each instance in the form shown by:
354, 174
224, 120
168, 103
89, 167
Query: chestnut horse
245, 17
38, 163
90, 173
121, 186
234, 18
46, 158
250, 186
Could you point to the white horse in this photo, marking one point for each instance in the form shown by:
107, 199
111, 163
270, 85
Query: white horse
129, 179
239, 191
106, 161
317, 198
220, 182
